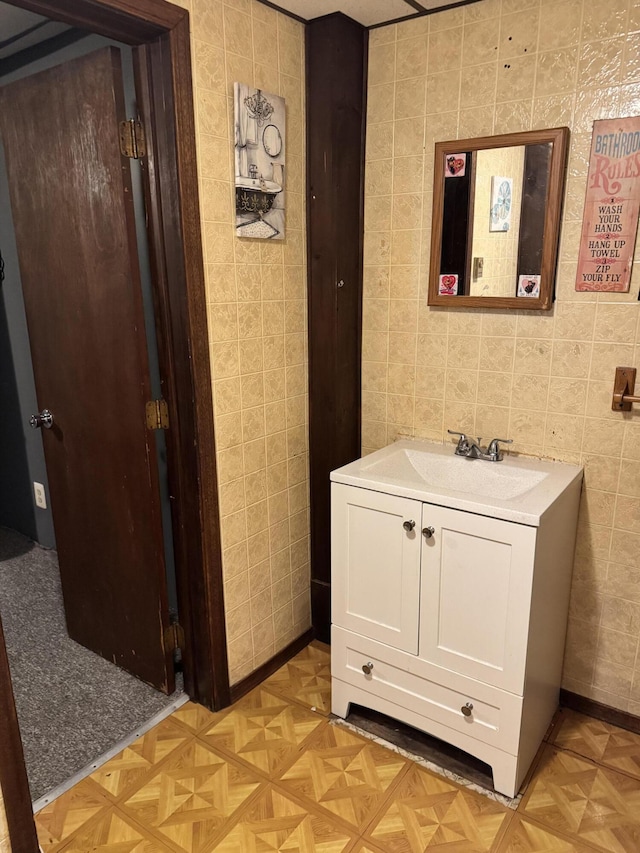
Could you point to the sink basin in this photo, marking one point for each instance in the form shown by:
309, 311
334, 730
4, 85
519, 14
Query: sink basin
472, 476
515, 489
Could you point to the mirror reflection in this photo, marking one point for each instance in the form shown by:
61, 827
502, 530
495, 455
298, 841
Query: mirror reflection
509, 195
496, 219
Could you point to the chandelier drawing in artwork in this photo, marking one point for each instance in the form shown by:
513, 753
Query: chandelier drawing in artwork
259, 107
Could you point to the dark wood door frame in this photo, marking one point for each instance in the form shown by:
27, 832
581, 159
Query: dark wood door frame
160, 33
14, 787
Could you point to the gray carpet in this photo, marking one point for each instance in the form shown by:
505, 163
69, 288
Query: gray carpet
72, 705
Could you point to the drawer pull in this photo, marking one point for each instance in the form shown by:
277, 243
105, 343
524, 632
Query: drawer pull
367, 667
409, 525
467, 709
428, 532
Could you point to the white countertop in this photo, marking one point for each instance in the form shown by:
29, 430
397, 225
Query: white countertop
519, 489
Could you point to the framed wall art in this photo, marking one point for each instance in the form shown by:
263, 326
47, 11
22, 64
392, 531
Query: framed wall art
260, 149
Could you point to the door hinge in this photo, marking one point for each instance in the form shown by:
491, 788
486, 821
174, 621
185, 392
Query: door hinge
174, 637
132, 142
157, 414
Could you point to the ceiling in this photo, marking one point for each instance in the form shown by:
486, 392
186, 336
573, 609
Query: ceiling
367, 12
20, 29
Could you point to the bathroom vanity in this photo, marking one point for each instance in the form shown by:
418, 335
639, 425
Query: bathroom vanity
450, 593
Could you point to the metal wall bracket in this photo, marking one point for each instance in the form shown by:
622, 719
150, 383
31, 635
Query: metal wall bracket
623, 388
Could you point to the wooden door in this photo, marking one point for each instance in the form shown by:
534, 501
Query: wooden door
376, 565
72, 207
477, 574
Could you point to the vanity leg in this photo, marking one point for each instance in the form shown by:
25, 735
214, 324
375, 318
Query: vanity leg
505, 775
340, 698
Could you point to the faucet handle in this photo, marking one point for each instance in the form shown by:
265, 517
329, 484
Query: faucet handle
494, 447
463, 441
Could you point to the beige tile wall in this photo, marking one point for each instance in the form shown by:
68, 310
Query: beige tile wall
256, 295
544, 379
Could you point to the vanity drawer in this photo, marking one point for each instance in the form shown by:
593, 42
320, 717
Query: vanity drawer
427, 690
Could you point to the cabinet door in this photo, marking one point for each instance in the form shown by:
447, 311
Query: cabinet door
375, 565
477, 577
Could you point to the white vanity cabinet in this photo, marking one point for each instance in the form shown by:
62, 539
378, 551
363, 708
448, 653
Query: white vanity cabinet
449, 611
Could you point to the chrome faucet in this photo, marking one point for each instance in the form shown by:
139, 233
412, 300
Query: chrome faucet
473, 450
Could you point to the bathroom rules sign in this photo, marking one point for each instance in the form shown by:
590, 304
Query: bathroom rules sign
611, 206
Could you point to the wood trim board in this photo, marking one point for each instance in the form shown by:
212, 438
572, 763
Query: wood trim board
336, 57
599, 711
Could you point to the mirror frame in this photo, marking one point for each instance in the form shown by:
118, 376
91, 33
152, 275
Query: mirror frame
559, 137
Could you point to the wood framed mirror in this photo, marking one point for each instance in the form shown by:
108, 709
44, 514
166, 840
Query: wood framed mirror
497, 202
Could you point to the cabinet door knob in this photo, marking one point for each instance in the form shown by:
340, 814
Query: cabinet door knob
409, 525
367, 667
467, 709
428, 532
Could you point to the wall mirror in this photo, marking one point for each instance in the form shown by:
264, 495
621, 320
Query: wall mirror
497, 202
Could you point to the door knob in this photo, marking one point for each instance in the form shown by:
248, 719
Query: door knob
44, 419
409, 525
428, 532
467, 709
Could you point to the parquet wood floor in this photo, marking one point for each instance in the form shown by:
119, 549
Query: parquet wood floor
591, 803
430, 813
525, 836
306, 678
275, 822
345, 775
271, 775
602, 742
189, 800
127, 770
262, 729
